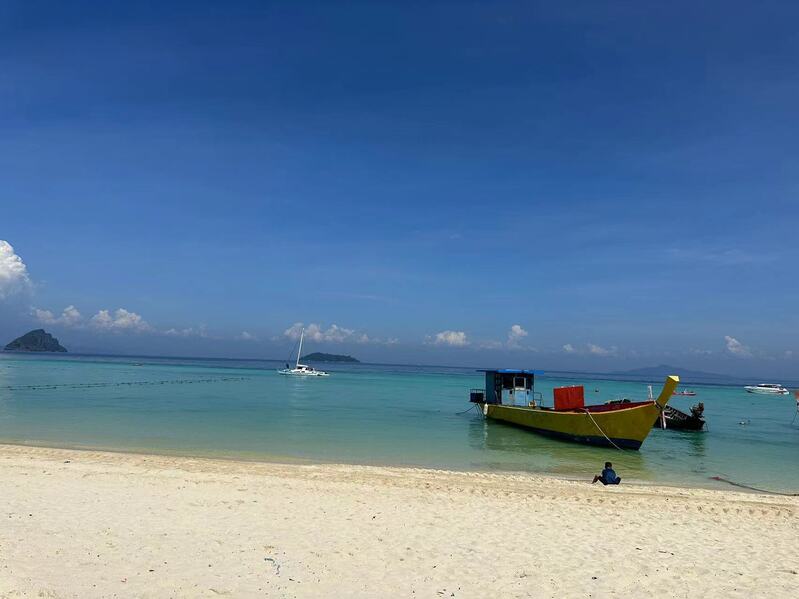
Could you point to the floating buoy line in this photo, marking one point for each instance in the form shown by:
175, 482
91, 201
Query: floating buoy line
224, 379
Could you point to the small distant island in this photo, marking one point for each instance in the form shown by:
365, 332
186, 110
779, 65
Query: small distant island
37, 340
321, 357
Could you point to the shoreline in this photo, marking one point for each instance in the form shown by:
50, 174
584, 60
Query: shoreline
95, 524
280, 460
265, 466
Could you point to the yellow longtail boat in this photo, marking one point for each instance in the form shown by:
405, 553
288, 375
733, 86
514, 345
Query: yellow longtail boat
510, 396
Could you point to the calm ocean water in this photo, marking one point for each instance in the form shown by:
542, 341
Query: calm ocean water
370, 415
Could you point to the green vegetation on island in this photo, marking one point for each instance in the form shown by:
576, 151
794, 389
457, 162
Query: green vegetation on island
322, 357
36, 341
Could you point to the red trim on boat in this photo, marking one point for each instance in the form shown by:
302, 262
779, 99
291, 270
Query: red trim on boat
612, 407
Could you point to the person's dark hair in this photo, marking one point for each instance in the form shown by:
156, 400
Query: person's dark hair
608, 465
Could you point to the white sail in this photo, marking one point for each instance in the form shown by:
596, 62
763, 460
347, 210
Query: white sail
299, 349
301, 369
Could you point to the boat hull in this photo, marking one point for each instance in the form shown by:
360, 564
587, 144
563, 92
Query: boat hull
678, 420
290, 372
627, 428
624, 425
761, 391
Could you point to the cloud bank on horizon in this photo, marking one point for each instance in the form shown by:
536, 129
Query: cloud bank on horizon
16, 280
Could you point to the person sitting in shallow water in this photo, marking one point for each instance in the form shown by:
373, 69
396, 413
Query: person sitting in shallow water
608, 476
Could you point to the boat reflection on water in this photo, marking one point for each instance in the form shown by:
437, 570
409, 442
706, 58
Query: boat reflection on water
682, 442
507, 447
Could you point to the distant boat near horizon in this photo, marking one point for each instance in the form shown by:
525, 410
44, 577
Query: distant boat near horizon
767, 389
301, 369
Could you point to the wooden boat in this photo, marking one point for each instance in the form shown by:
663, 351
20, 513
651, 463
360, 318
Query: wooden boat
678, 420
510, 396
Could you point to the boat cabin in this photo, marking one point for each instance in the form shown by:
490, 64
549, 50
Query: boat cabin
508, 387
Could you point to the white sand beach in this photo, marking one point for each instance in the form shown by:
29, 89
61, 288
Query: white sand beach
96, 524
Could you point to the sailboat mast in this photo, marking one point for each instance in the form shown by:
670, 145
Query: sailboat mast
299, 350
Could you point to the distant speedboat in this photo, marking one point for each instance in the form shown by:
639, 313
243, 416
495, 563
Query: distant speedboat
301, 369
767, 389
686, 392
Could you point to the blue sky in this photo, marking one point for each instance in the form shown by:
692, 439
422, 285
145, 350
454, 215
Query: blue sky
617, 179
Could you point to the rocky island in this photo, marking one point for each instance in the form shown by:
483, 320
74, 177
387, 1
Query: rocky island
321, 357
37, 340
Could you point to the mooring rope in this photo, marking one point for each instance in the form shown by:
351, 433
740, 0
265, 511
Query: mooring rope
474, 405
729, 482
599, 428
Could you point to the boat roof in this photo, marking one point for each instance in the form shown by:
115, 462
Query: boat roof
510, 371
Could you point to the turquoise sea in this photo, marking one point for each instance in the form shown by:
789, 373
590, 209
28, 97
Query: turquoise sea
371, 414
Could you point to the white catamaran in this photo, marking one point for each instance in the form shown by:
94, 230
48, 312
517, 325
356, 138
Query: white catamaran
301, 369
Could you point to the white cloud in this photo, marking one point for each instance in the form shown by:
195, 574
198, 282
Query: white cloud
332, 334
13, 272
491, 344
590, 348
736, 348
104, 320
700, 352
44, 316
122, 320
70, 316
118, 321
788, 354
451, 338
188, 332
515, 335
598, 350
245, 336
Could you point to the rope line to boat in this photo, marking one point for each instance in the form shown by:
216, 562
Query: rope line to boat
119, 384
599, 428
474, 405
734, 484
